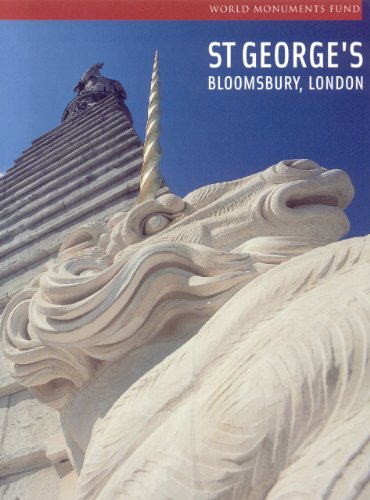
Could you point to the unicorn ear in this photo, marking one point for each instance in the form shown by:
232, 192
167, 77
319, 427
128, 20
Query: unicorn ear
151, 179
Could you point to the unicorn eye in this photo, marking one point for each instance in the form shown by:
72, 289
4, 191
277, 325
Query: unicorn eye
154, 224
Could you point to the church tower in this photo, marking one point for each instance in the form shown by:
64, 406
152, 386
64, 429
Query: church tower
82, 171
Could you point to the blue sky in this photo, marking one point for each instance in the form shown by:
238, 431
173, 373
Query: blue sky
206, 136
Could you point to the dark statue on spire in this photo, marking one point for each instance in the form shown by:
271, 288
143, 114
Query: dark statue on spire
91, 73
93, 81
92, 88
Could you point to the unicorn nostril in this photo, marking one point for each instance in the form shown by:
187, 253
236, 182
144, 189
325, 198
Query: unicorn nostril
303, 164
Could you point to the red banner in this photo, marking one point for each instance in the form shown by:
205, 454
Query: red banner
258, 10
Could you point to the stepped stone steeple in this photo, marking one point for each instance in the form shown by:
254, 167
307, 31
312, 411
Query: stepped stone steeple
84, 170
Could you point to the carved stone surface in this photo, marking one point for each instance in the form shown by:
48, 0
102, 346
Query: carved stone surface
41, 484
26, 426
211, 347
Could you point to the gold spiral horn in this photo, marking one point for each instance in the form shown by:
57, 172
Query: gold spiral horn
151, 178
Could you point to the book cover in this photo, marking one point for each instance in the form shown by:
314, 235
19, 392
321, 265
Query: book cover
243, 86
